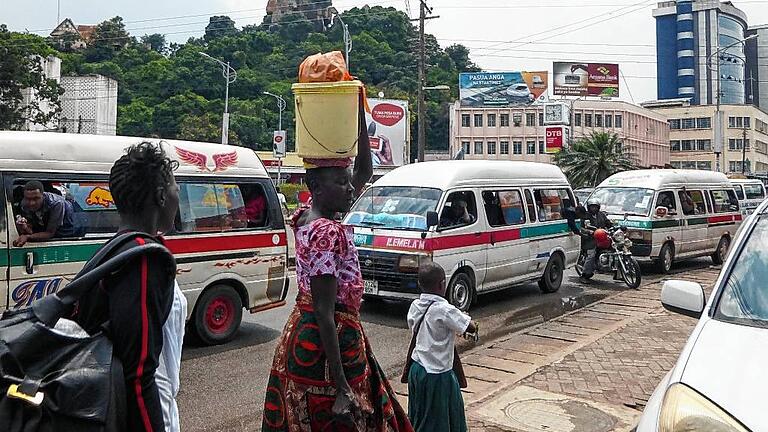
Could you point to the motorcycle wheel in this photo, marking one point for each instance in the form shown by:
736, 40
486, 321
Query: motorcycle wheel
631, 276
579, 267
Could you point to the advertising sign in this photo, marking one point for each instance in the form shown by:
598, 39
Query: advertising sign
555, 139
278, 144
586, 79
494, 89
388, 131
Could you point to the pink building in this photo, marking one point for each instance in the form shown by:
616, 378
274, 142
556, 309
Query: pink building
518, 133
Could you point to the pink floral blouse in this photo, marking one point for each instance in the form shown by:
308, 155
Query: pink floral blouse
326, 247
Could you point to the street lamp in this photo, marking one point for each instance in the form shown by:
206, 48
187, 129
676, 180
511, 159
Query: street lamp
719, 124
422, 143
230, 75
347, 38
280, 108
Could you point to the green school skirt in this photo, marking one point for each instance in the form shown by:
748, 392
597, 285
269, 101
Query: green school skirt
435, 403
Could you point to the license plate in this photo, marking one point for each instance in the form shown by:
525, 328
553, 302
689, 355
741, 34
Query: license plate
371, 287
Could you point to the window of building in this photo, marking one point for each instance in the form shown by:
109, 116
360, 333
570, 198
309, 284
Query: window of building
674, 124
530, 147
704, 165
724, 200
588, 120
541, 118
478, 120
491, 120
504, 208
504, 120
542, 147
735, 166
517, 119
517, 147
747, 122
491, 147
466, 147
551, 202
686, 145
688, 123
478, 147
674, 145
459, 210
504, 147
619, 121
704, 145
598, 120
676, 164
465, 120
704, 123
608, 120
530, 119
689, 165
737, 144
577, 119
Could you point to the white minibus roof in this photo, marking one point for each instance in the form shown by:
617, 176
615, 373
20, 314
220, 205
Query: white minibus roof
666, 178
60, 152
446, 175
746, 181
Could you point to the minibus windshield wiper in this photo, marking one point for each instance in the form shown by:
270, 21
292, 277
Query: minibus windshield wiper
371, 223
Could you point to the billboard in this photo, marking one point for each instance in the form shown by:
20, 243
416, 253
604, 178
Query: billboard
557, 137
388, 131
494, 89
586, 79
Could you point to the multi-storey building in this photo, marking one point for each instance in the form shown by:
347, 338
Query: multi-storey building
519, 133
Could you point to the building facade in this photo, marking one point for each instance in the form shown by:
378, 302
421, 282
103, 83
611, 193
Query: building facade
757, 67
688, 36
693, 137
51, 68
519, 133
89, 105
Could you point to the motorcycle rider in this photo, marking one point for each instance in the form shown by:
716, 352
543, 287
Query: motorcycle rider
593, 219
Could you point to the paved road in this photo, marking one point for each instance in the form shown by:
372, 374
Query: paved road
223, 387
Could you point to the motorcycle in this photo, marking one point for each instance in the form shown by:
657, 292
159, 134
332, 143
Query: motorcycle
614, 256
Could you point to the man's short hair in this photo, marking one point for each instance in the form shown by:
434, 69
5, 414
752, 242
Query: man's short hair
431, 274
34, 185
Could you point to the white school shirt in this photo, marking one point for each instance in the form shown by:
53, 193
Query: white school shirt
436, 338
167, 372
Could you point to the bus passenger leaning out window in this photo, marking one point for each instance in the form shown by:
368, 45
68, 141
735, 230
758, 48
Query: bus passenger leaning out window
45, 215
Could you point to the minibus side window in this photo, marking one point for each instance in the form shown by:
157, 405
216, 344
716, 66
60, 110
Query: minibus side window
724, 201
692, 202
503, 208
88, 209
207, 207
459, 210
531, 205
666, 199
551, 203
739, 191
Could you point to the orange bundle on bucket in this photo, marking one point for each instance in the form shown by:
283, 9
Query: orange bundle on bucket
327, 101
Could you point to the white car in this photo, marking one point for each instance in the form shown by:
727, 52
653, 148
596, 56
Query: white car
720, 381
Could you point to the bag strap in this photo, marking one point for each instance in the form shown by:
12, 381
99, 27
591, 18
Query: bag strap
416, 330
51, 308
107, 248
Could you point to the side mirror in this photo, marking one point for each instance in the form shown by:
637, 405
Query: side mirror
661, 211
432, 219
686, 298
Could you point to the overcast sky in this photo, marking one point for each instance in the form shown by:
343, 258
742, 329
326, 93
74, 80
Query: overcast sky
501, 34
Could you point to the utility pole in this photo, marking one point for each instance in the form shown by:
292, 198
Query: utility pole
422, 138
230, 75
744, 125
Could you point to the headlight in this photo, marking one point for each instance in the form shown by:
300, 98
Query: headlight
686, 410
618, 236
639, 235
411, 263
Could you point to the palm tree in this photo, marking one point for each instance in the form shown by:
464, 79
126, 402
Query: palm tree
594, 158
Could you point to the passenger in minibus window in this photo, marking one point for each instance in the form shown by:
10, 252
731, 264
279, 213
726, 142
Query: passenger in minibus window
456, 214
255, 205
44, 216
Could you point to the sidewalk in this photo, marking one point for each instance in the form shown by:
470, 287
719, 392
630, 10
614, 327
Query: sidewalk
588, 371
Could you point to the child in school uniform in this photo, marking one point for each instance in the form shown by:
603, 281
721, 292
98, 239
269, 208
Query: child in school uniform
435, 403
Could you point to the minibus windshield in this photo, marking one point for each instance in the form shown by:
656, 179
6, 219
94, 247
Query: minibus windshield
394, 207
632, 201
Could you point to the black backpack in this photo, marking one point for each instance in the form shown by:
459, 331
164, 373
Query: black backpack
52, 382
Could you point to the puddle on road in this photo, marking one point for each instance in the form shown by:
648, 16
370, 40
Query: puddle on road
540, 313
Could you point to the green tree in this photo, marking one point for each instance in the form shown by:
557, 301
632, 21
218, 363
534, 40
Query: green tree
21, 73
155, 42
108, 38
594, 158
205, 128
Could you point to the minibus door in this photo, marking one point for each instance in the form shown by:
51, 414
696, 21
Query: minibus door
4, 257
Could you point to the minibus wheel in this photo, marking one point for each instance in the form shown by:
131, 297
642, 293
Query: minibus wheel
218, 314
461, 291
721, 253
666, 258
553, 275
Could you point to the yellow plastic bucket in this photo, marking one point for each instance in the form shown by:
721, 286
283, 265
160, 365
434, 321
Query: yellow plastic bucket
326, 119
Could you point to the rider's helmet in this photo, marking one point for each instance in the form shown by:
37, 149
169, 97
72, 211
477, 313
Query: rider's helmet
593, 202
602, 239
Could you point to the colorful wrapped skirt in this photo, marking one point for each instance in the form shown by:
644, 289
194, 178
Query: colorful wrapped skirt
300, 390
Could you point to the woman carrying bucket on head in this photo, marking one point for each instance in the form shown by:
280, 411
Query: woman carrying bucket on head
324, 376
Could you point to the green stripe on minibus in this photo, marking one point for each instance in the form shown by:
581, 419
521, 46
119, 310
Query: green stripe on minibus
54, 254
